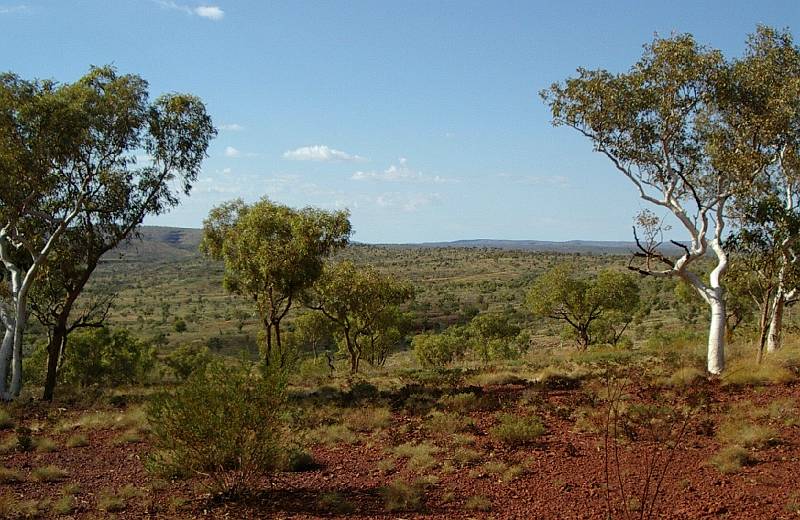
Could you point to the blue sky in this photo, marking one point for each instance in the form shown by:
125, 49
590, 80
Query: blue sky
421, 117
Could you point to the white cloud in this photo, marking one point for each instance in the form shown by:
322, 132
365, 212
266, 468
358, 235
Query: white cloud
322, 153
233, 127
400, 172
210, 12
227, 171
9, 9
230, 151
407, 202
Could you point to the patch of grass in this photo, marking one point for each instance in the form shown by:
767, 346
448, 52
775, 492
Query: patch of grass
730, 459
335, 503
516, 430
427, 481
460, 439
684, 377
8, 444
447, 423
588, 419
745, 434
784, 410
496, 379
127, 437
463, 403
746, 372
64, 505
386, 465
300, 460
11, 507
9, 476
48, 474
6, 421
420, 456
333, 434
368, 419
466, 456
77, 441
132, 418
478, 503
45, 445
494, 467
558, 378
110, 502
402, 496
512, 474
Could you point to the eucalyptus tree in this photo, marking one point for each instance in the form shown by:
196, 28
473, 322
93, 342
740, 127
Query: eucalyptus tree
759, 267
765, 107
272, 253
582, 303
358, 300
671, 127
67, 151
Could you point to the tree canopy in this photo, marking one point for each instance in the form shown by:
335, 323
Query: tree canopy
272, 253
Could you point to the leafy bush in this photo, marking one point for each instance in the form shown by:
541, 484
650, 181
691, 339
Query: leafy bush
516, 431
438, 350
188, 359
108, 358
224, 422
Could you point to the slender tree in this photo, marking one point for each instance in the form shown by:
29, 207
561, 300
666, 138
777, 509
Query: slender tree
765, 108
668, 126
358, 300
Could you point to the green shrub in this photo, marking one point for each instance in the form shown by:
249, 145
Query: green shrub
478, 503
447, 423
187, 359
730, 459
48, 474
438, 350
179, 325
335, 503
6, 422
515, 430
463, 403
368, 419
224, 422
106, 358
402, 496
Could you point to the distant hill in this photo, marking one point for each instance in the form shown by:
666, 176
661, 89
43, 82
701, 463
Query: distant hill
169, 243
159, 244
571, 246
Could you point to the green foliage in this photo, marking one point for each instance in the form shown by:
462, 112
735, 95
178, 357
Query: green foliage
188, 359
272, 253
611, 296
439, 350
730, 459
402, 496
362, 303
224, 422
515, 430
106, 357
179, 325
494, 337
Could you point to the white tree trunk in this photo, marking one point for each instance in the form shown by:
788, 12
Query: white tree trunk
716, 333
6, 347
776, 323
